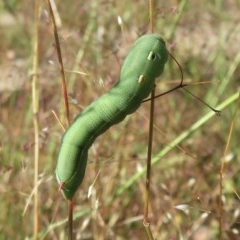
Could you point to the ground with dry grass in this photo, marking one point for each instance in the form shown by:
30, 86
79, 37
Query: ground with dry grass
204, 37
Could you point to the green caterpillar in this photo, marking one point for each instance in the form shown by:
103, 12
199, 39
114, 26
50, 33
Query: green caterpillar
144, 63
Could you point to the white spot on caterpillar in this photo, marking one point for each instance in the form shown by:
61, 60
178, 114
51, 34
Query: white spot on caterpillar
141, 79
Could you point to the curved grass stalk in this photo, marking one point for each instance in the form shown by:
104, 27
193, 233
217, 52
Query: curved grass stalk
222, 168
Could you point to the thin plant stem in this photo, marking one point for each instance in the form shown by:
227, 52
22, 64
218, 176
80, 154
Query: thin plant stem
70, 219
148, 173
61, 67
149, 157
148, 230
35, 109
64, 92
150, 139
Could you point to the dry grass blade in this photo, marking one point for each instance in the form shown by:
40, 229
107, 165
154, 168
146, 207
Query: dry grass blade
35, 109
60, 61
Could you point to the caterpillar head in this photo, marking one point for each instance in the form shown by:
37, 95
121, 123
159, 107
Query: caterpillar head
144, 63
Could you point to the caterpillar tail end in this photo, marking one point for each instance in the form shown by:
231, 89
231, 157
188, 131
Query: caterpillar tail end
67, 194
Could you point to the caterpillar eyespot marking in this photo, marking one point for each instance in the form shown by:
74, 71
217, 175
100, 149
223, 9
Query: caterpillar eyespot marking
144, 62
151, 56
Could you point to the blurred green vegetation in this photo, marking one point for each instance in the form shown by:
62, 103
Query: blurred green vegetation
204, 37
